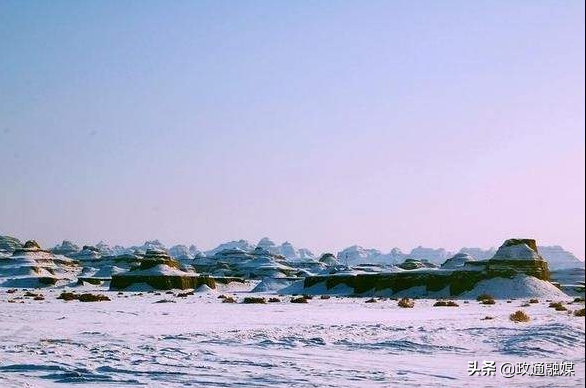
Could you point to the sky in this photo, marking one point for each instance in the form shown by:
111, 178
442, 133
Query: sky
323, 123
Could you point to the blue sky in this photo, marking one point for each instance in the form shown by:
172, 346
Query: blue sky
325, 123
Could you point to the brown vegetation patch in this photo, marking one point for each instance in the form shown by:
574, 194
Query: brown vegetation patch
519, 316
254, 300
406, 303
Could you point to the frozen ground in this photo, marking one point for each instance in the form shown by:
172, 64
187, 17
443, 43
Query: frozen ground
341, 342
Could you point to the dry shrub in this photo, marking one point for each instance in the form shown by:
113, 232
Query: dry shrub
67, 296
93, 298
300, 299
371, 300
579, 313
274, 300
254, 300
406, 303
519, 316
558, 306
445, 303
482, 297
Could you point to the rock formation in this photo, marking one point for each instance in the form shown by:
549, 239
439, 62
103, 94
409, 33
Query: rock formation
457, 261
516, 257
31, 266
159, 271
66, 248
558, 258
9, 244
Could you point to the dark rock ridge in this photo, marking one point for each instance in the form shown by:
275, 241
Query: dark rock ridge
66, 248
516, 256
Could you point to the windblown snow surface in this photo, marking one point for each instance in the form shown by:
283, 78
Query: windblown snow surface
198, 341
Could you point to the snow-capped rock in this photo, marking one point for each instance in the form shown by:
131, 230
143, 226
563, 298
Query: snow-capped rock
32, 266
457, 261
194, 251
410, 264
66, 248
242, 245
9, 244
515, 258
436, 256
558, 258
104, 249
479, 253
288, 251
236, 262
329, 259
304, 254
357, 255
88, 252
268, 245
158, 270
517, 249
181, 253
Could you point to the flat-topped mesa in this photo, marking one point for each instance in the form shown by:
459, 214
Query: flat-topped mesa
154, 257
518, 249
517, 255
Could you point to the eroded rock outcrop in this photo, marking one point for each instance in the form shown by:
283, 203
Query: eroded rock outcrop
32, 266
66, 248
516, 257
457, 261
159, 271
9, 244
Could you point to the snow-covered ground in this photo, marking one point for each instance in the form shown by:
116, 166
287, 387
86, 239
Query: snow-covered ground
339, 342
